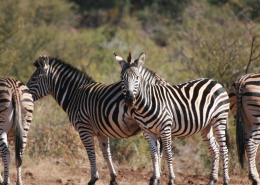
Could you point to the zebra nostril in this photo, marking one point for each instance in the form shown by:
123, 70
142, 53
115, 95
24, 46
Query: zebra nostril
130, 94
129, 98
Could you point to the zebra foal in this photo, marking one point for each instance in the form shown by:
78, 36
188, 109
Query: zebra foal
182, 110
244, 96
16, 112
94, 109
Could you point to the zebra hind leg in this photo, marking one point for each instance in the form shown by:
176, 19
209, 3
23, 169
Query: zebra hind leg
1, 178
221, 130
105, 146
210, 141
5, 152
251, 149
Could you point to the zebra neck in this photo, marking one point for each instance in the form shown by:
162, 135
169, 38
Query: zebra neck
143, 97
65, 84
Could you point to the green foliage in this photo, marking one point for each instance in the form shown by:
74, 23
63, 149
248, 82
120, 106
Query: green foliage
212, 43
133, 151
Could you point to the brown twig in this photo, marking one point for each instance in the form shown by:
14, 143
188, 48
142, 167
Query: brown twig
251, 53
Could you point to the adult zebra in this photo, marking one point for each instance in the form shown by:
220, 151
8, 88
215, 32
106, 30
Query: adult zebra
16, 111
244, 104
180, 111
94, 109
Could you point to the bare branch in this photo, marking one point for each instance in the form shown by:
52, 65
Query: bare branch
11, 34
251, 53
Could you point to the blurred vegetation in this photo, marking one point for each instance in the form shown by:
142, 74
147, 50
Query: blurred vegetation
182, 39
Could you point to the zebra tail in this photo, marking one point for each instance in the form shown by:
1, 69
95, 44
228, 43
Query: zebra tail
240, 130
18, 131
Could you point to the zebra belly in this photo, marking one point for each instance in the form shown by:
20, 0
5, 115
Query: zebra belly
122, 129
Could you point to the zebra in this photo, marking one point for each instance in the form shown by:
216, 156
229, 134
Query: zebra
244, 100
94, 109
16, 113
199, 105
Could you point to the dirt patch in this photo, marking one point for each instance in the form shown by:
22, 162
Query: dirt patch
81, 176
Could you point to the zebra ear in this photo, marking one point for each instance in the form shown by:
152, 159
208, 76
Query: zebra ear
140, 60
119, 60
43, 62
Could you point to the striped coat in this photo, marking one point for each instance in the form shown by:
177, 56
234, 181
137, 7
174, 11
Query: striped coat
244, 96
94, 109
16, 111
182, 110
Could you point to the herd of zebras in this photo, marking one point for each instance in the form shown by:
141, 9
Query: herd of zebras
141, 101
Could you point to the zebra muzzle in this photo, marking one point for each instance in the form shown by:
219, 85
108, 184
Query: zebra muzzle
129, 98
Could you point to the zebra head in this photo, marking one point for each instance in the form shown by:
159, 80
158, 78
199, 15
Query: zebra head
130, 77
38, 83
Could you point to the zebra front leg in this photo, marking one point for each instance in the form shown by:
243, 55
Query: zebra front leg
213, 147
166, 141
105, 146
251, 149
160, 152
152, 140
5, 152
88, 141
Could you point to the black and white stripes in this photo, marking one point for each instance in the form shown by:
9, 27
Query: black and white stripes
94, 109
244, 97
16, 111
199, 105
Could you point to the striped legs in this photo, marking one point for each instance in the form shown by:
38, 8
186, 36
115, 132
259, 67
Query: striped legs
160, 151
166, 140
251, 148
215, 148
152, 140
5, 157
1, 178
87, 139
220, 131
105, 146
210, 141
19, 176
156, 155
19, 170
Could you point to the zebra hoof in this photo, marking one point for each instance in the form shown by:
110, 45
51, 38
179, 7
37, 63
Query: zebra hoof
255, 182
92, 181
171, 182
154, 181
211, 182
113, 183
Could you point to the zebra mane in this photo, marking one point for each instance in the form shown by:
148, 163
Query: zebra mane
158, 79
58, 62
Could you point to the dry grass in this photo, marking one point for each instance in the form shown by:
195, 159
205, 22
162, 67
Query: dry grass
54, 150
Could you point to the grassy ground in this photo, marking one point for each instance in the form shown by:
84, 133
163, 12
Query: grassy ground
55, 154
